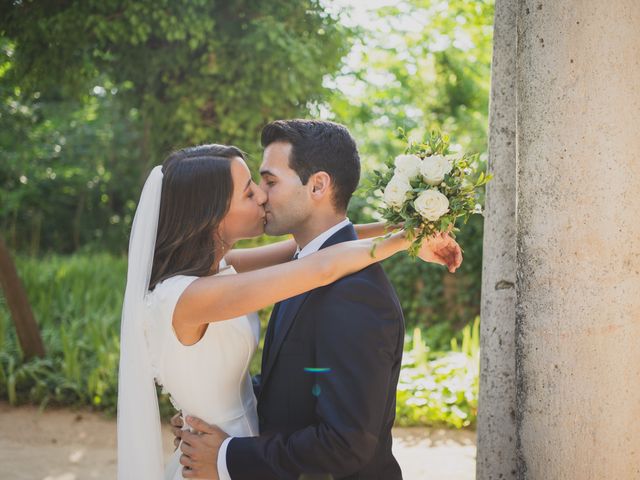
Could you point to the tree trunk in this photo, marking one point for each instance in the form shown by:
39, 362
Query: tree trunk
21, 313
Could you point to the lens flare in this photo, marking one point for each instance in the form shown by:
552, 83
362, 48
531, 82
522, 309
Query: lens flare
317, 370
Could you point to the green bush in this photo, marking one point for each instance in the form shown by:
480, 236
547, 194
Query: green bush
440, 388
77, 302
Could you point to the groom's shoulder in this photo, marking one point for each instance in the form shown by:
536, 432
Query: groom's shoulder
370, 283
363, 298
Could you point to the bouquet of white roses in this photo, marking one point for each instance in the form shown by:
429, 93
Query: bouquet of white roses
427, 188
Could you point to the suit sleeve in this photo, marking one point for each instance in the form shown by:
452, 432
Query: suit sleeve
357, 330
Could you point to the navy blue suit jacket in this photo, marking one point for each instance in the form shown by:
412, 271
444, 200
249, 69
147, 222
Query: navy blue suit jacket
327, 393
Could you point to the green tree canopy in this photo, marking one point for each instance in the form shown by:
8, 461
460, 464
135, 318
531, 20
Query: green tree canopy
95, 92
422, 65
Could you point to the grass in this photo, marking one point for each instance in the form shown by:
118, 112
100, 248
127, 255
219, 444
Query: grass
77, 302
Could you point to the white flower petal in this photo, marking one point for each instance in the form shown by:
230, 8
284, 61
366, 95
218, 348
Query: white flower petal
408, 166
431, 204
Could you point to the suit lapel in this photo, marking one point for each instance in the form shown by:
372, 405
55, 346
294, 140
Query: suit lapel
268, 338
287, 311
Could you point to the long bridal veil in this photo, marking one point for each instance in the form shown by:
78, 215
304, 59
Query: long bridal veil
140, 453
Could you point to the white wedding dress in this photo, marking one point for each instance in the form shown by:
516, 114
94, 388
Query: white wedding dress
209, 379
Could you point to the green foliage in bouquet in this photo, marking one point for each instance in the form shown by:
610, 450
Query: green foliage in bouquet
428, 198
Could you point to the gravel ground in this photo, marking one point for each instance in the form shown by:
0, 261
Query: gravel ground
78, 445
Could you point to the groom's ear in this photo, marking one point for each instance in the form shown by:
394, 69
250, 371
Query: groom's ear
319, 185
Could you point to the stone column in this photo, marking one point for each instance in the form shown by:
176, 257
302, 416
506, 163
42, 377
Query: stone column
578, 240
496, 452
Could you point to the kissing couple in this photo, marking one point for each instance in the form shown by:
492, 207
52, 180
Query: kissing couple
324, 404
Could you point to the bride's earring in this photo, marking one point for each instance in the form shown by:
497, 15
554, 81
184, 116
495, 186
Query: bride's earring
220, 244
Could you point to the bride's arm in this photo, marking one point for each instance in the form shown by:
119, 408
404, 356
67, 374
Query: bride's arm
375, 229
221, 297
248, 259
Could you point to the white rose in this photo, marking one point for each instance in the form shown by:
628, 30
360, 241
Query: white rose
408, 165
434, 169
396, 190
431, 204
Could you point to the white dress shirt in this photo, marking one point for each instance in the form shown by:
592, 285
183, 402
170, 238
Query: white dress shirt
312, 247
315, 244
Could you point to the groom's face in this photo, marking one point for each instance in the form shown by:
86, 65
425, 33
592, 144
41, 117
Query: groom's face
288, 205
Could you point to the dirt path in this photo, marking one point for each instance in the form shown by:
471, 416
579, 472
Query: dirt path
68, 445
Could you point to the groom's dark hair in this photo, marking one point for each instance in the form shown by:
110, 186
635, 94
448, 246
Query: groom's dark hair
319, 146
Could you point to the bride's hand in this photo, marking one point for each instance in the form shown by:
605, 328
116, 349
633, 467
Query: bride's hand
441, 249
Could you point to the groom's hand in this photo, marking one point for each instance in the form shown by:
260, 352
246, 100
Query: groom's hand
176, 428
200, 449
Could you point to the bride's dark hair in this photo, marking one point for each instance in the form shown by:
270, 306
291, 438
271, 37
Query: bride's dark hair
196, 193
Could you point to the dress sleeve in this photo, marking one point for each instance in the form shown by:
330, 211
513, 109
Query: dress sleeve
158, 329
173, 293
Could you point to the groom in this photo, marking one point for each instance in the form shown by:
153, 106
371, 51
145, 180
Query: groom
331, 360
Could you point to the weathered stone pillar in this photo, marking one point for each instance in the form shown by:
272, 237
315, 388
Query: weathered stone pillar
496, 451
578, 240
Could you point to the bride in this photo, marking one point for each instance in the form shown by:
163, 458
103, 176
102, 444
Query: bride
188, 322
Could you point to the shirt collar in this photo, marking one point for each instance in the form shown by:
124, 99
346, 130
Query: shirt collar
315, 244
